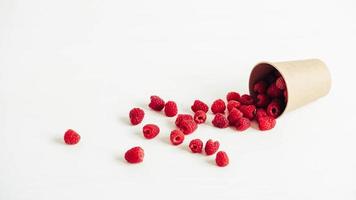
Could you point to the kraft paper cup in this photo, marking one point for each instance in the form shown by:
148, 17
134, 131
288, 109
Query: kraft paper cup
306, 80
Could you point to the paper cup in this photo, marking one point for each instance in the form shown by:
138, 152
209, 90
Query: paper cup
306, 80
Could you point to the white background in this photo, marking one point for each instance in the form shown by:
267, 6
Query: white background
83, 64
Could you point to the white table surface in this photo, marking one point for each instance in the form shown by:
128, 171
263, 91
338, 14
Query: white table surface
84, 64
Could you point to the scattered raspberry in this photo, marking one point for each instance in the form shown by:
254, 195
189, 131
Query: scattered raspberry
248, 111
266, 123
242, 124
177, 137
261, 113
233, 96
71, 137
200, 117
188, 126
199, 105
260, 87
156, 103
274, 109
262, 100
273, 91
221, 159
218, 106
134, 155
211, 147
196, 146
182, 117
170, 109
280, 83
150, 131
233, 116
233, 104
246, 99
136, 116
220, 121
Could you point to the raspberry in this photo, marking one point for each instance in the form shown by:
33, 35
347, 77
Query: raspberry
211, 147
273, 91
156, 103
218, 106
285, 94
233, 116
71, 137
136, 116
242, 124
150, 131
248, 111
221, 159
261, 113
196, 146
188, 126
177, 137
200, 117
199, 105
280, 83
274, 109
233, 104
260, 87
220, 121
262, 100
266, 123
246, 99
170, 109
233, 96
182, 117
134, 155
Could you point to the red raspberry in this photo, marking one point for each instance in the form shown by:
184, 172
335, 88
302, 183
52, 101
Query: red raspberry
221, 159
136, 116
248, 111
261, 113
218, 106
211, 147
188, 126
280, 83
156, 103
150, 131
196, 146
262, 100
220, 121
182, 117
177, 137
200, 117
246, 99
233, 96
266, 123
260, 87
233, 104
274, 109
273, 91
233, 116
170, 109
285, 94
71, 137
134, 155
242, 124
199, 105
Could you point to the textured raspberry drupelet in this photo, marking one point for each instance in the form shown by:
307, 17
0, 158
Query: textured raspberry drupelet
200, 117
150, 131
260, 87
233, 104
156, 103
211, 147
220, 121
136, 116
218, 106
273, 91
246, 99
262, 100
182, 117
266, 123
274, 109
242, 124
221, 159
170, 109
134, 155
233, 116
280, 83
248, 111
233, 96
188, 126
199, 105
71, 137
261, 113
177, 137
196, 146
